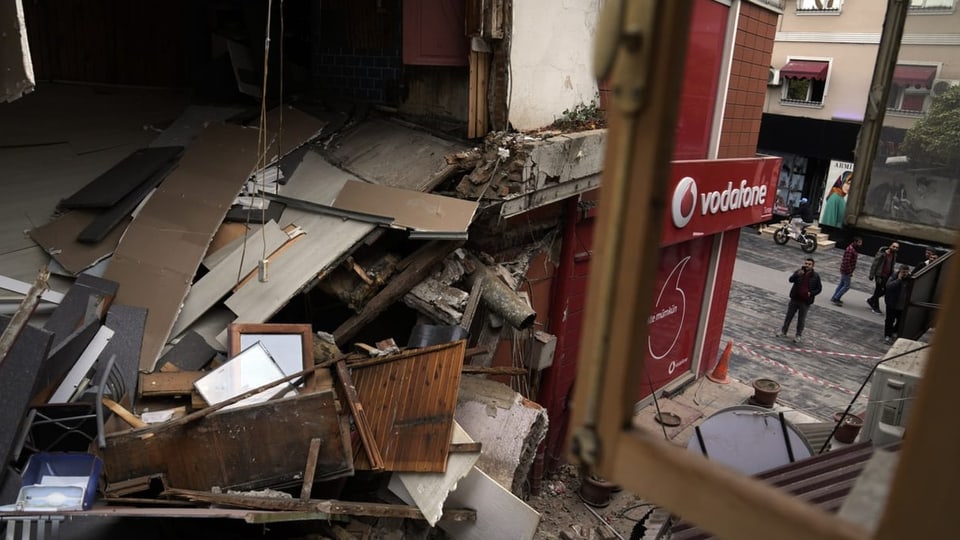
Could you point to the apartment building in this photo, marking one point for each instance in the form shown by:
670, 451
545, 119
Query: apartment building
820, 74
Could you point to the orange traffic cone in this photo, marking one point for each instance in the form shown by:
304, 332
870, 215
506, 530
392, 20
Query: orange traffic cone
719, 374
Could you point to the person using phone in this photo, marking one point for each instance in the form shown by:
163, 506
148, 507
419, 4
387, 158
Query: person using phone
806, 286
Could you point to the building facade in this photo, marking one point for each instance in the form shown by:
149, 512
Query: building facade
820, 75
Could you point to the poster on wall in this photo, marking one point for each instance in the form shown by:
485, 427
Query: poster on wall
793, 172
913, 196
674, 318
837, 185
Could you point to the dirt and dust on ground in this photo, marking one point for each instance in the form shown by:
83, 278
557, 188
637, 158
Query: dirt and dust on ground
564, 514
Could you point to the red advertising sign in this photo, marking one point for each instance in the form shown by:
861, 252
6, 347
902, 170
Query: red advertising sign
673, 320
714, 195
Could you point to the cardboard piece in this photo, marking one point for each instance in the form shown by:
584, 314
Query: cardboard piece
59, 239
410, 209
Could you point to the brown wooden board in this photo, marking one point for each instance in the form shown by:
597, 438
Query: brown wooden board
252, 447
410, 404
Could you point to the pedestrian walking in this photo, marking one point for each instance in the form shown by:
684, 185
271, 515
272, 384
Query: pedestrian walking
806, 286
929, 255
847, 266
884, 264
894, 297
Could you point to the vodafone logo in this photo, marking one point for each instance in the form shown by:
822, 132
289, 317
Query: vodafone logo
684, 202
685, 198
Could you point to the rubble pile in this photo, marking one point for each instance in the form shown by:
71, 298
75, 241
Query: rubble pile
216, 352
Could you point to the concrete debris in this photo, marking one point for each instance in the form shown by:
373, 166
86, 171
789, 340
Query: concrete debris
192, 418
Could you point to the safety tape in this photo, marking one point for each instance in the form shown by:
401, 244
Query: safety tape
794, 371
817, 351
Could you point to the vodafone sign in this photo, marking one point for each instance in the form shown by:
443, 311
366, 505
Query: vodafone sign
711, 196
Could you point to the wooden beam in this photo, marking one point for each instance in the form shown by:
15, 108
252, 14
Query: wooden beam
131, 419
176, 383
359, 417
310, 471
27, 306
464, 448
411, 272
331, 507
494, 370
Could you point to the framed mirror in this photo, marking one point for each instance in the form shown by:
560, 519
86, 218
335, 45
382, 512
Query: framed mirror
290, 345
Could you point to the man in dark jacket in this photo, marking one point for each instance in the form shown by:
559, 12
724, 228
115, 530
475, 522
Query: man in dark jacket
806, 286
884, 264
847, 266
894, 297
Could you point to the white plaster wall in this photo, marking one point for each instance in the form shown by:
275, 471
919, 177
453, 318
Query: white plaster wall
551, 59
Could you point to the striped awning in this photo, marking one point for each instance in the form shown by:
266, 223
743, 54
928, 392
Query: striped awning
916, 76
805, 69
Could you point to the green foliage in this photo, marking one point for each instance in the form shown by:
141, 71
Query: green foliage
582, 116
935, 139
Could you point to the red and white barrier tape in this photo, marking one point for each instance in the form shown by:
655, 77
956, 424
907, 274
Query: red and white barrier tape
817, 351
794, 371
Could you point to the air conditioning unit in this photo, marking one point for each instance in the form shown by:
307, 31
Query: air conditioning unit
940, 86
893, 391
773, 78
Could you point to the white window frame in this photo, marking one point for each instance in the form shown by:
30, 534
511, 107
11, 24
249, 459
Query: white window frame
914, 91
920, 7
785, 83
835, 9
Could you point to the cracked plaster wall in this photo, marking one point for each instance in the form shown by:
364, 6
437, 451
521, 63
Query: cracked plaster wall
551, 59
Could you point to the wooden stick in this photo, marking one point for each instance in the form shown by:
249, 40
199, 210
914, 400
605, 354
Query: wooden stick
311, 470
23, 313
359, 416
124, 414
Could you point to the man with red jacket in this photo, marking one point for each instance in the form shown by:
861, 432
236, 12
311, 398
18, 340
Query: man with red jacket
847, 266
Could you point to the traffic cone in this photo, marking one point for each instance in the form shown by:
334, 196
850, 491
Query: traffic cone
719, 374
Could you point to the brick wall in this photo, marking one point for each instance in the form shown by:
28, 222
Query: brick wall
748, 81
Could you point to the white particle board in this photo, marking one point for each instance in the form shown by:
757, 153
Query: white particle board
82, 366
429, 490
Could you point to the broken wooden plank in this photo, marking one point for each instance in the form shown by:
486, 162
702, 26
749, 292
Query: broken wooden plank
332, 507
310, 471
495, 370
179, 383
218, 450
465, 447
413, 268
411, 402
131, 419
370, 447
22, 316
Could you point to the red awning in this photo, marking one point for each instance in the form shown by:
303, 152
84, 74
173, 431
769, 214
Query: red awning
918, 76
805, 69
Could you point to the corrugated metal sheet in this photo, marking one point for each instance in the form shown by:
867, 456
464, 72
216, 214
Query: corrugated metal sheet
824, 480
410, 401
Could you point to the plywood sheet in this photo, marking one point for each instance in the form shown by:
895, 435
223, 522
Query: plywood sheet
411, 209
327, 241
216, 283
162, 248
391, 154
219, 450
59, 239
410, 402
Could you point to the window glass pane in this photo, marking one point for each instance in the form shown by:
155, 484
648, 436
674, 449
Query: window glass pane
797, 89
913, 102
893, 99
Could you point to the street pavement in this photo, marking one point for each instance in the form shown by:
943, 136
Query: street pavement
840, 345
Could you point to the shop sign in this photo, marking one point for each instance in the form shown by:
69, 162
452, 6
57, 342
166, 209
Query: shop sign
706, 197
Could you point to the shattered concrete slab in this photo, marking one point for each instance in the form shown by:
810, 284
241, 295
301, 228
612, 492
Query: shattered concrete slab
509, 426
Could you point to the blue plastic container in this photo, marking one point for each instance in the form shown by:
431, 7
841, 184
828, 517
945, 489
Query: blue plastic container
65, 464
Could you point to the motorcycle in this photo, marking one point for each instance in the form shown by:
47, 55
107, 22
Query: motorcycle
808, 242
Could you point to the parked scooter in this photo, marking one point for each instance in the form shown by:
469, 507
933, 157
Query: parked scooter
808, 242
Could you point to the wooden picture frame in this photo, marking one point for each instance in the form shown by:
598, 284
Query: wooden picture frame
283, 341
